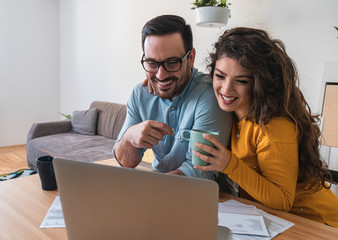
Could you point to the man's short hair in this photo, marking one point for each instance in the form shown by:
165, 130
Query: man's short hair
168, 24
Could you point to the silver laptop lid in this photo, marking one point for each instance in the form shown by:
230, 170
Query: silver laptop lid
106, 202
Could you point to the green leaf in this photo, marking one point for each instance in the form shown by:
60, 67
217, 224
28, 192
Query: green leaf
68, 116
204, 3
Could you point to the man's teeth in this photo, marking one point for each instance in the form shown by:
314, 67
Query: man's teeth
227, 99
165, 82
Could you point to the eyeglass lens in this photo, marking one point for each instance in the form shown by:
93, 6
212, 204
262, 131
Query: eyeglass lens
173, 65
170, 66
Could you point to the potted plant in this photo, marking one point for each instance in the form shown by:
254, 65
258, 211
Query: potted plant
211, 13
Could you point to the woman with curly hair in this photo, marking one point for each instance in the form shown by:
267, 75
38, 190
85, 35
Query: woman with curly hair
274, 154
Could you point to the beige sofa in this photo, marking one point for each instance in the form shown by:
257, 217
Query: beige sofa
60, 139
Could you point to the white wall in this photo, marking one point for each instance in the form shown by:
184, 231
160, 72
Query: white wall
306, 28
101, 47
100, 50
29, 66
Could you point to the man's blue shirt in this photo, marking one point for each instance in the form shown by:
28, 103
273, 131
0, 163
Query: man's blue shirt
195, 107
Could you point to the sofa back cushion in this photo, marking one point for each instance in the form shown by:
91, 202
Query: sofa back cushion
110, 118
84, 122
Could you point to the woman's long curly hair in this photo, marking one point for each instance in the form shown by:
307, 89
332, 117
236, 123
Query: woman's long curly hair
275, 93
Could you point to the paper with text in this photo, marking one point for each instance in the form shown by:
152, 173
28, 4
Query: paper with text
241, 219
274, 225
54, 216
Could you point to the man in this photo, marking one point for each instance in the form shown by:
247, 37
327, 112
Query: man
183, 100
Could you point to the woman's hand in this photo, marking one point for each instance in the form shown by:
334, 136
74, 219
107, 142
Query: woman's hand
150, 87
220, 155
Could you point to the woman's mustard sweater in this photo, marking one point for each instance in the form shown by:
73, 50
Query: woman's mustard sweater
264, 162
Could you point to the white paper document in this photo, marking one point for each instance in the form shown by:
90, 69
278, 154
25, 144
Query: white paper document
54, 216
248, 222
241, 219
275, 224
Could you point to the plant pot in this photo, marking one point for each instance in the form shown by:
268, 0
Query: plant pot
211, 16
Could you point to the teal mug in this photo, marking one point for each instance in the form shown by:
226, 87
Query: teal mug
194, 136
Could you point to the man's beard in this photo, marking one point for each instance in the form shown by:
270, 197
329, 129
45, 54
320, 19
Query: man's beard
169, 94
180, 84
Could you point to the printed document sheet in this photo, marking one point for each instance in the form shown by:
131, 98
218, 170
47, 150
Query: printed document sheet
248, 222
54, 216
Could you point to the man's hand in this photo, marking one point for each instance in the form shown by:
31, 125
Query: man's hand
177, 172
147, 134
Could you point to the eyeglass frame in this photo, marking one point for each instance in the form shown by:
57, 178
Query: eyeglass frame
180, 60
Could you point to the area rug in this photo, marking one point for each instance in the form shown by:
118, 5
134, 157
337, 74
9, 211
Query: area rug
17, 174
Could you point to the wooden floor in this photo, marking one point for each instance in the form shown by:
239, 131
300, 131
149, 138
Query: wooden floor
12, 158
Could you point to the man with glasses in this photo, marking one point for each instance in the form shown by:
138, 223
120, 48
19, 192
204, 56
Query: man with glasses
183, 99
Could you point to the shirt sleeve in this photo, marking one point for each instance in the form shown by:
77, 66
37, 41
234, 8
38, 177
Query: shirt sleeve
208, 116
273, 181
133, 117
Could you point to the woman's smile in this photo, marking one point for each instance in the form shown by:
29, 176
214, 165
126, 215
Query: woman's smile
232, 85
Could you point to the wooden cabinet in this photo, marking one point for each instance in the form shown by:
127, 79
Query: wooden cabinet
330, 116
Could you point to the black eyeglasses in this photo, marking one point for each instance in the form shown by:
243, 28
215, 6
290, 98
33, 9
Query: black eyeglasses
171, 65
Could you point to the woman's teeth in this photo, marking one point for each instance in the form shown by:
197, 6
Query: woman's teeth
228, 99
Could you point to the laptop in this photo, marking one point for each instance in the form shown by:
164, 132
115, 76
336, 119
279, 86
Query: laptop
106, 202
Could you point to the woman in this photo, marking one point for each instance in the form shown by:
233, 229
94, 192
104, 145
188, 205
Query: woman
274, 153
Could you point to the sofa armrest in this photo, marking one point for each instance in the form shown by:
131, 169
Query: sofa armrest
49, 128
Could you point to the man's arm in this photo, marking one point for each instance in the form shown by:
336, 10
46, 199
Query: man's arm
177, 172
143, 135
126, 154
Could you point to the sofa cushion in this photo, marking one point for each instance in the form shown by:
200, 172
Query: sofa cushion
88, 148
84, 122
110, 119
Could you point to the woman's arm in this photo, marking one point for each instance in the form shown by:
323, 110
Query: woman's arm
274, 184
264, 165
